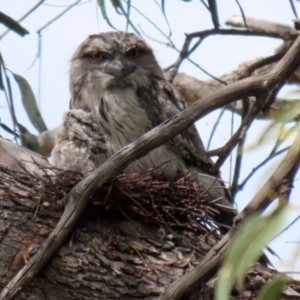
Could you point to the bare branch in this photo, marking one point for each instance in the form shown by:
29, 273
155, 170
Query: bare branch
79, 196
201, 35
224, 151
242, 185
268, 27
240, 150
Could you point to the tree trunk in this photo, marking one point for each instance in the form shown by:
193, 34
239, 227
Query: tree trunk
113, 253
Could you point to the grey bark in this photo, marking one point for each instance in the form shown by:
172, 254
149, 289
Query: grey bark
109, 255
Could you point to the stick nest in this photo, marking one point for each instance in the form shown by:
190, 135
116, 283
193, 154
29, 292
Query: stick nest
144, 196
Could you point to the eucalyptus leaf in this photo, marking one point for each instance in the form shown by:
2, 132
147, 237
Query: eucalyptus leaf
2, 87
273, 289
118, 5
163, 7
246, 247
214, 12
101, 4
12, 24
1, 78
28, 140
8, 130
128, 14
30, 105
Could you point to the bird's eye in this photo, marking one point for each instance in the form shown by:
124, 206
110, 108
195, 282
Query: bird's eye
133, 53
97, 56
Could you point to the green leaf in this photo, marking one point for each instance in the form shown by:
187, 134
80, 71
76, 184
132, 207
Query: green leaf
273, 289
128, 13
214, 12
30, 105
101, 4
12, 24
163, 7
116, 3
121, 11
8, 130
1, 77
246, 247
28, 140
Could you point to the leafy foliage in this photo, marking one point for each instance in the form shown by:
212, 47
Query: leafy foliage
246, 247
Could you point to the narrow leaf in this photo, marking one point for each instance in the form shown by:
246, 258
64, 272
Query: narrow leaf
246, 247
1, 77
128, 13
28, 140
101, 4
163, 7
30, 105
294, 9
8, 130
273, 289
214, 12
12, 24
120, 10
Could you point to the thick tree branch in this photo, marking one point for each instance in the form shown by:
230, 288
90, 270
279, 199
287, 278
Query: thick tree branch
81, 193
279, 181
193, 89
267, 27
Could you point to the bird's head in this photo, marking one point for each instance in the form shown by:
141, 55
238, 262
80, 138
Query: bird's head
113, 59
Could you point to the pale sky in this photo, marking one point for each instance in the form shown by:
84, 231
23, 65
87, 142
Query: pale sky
218, 55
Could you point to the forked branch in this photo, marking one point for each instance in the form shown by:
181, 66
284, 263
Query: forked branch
79, 197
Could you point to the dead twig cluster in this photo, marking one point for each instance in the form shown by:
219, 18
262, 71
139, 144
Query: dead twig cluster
145, 197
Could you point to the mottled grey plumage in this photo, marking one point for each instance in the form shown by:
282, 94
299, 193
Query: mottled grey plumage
115, 77
79, 144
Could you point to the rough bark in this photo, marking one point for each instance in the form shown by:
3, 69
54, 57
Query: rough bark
111, 254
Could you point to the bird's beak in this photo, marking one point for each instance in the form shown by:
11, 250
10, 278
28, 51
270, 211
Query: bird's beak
119, 69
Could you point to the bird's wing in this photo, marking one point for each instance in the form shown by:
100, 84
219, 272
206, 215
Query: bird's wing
165, 102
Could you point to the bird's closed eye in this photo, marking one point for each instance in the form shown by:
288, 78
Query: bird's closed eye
133, 53
97, 56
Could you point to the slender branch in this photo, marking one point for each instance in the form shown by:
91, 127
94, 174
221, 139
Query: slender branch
242, 12
224, 151
242, 185
79, 196
240, 151
201, 35
247, 70
211, 153
287, 227
193, 89
238, 165
233, 31
58, 16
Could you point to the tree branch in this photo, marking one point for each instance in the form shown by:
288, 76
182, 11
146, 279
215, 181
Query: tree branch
201, 35
268, 27
80, 194
261, 200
